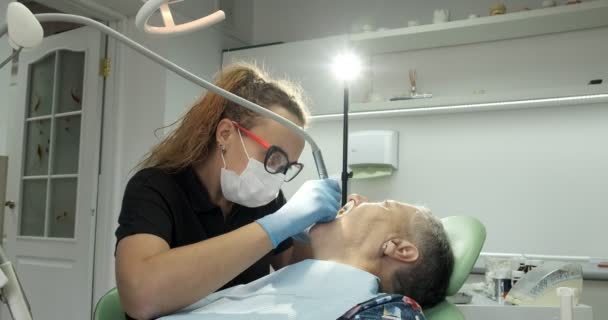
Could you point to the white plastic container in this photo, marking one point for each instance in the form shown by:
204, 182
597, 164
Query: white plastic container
538, 287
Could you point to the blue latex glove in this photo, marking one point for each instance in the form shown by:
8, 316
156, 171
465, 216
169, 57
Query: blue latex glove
316, 201
304, 236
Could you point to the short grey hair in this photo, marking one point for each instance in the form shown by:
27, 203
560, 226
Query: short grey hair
426, 281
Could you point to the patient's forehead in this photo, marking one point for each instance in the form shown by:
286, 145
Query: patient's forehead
409, 208
414, 212
424, 211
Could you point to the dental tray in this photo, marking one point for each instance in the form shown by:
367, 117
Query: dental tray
460, 298
539, 286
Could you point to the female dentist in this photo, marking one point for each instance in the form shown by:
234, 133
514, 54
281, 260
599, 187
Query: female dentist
205, 212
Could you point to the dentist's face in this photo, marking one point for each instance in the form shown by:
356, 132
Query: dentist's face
268, 130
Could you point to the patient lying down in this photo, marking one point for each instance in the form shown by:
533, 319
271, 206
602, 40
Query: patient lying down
389, 247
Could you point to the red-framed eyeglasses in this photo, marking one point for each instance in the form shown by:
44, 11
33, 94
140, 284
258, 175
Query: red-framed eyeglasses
276, 160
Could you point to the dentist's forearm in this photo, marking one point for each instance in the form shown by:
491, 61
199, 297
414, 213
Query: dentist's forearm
175, 278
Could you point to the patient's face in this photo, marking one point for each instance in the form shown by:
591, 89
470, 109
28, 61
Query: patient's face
363, 228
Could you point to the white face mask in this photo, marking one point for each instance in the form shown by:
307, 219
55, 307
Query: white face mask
255, 186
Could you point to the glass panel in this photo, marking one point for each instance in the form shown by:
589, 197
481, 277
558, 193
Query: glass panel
71, 72
33, 209
37, 147
66, 145
41, 87
63, 208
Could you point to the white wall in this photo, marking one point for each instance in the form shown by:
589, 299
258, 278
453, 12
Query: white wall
239, 20
201, 54
546, 65
524, 172
554, 61
506, 154
306, 63
291, 20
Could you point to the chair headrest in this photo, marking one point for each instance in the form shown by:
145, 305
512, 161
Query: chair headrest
467, 236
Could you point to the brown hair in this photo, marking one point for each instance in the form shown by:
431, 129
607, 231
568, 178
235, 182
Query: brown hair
191, 141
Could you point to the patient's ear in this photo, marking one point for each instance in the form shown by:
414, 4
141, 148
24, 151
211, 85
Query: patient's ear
401, 250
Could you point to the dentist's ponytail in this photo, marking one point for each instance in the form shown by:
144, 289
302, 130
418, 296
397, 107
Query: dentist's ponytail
193, 138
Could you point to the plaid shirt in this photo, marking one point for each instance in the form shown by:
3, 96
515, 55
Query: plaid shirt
386, 307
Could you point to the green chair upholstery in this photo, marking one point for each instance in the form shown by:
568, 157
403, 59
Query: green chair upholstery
444, 311
467, 236
109, 307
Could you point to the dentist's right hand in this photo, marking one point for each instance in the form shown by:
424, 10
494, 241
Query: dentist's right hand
316, 201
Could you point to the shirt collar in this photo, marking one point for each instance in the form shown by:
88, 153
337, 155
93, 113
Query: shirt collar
307, 280
334, 278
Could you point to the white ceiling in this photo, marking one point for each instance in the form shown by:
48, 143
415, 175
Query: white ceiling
238, 13
189, 8
194, 8
125, 7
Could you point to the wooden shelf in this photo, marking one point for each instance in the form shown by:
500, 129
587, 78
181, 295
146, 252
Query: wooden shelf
586, 15
475, 103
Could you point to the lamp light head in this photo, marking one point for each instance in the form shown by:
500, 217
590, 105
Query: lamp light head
24, 30
151, 6
347, 66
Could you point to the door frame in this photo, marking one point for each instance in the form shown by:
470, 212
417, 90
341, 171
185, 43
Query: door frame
109, 193
3, 182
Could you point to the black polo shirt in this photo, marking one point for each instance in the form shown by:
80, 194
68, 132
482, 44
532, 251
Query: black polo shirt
176, 208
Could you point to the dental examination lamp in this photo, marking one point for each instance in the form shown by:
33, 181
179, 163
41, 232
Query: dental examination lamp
24, 30
346, 67
151, 6
26, 38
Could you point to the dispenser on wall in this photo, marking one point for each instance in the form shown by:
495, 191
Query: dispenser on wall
373, 153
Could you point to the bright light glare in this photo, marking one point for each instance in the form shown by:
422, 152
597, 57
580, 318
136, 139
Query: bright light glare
347, 66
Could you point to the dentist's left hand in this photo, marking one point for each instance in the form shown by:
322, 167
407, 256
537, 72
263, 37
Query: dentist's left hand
316, 201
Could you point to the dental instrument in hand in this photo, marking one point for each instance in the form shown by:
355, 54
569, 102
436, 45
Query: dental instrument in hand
346, 208
304, 236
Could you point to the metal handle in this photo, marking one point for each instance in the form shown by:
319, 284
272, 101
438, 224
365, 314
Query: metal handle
10, 204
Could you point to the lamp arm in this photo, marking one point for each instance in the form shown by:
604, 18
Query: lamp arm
11, 57
58, 17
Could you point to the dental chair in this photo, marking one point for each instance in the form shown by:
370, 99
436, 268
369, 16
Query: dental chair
109, 307
466, 234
